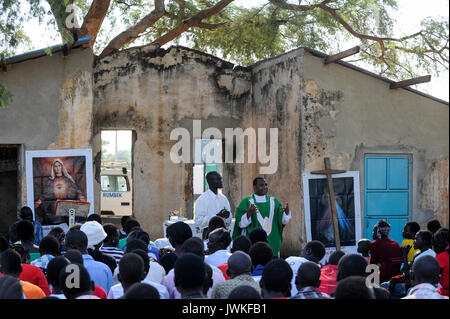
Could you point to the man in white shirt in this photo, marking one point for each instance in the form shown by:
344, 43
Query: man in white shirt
212, 203
218, 241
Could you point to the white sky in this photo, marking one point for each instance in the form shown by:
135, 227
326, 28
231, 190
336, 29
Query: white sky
408, 16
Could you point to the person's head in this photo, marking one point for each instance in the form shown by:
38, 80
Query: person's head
276, 279
364, 247
433, 225
135, 244
25, 230
208, 282
241, 243
84, 285
94, 217
26, 214
168, 261
381, 229
214, 180
76, 239
11, 263
260, 186
49, 245
410, 230
123, 220
257, 234
193, 245
189, 273
353, 287
178, 233
24, 253
216, 222
244, 292
74, 256
145, 258
112, 235
314, 251
308, 275
54, 267
218, 239
138, 233
260, 253
440, 240
335, 257
131, 269
94, 232
351, 265
130, 223
423, 240
58, 233
142, 291
10, 288
239, 263
425, 270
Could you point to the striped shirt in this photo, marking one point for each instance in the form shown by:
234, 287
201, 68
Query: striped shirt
115, 252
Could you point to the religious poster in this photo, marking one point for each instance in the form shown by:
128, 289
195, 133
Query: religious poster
318, 213
54, 175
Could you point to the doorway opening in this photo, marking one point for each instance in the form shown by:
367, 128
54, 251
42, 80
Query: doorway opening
9, 186
116, 175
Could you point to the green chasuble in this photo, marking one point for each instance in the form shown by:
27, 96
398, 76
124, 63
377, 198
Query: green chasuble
272, 224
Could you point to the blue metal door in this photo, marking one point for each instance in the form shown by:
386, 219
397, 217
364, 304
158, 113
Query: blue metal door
387, 193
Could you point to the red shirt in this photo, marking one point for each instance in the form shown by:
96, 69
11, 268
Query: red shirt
328, 279
443, 260
34, 275
388, 254
100, 292
224, 268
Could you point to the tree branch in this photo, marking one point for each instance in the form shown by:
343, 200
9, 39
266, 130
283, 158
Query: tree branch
296, 7
134, 32
94, 19
194, 21
212, 26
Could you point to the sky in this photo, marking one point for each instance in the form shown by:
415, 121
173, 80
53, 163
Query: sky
408, 16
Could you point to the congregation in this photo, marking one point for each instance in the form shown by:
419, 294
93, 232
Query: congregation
96, 260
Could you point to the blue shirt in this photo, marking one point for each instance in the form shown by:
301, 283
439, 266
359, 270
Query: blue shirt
100, 273
38, 232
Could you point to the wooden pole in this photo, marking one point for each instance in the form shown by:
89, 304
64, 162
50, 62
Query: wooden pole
334, 217
401, 84
342, 55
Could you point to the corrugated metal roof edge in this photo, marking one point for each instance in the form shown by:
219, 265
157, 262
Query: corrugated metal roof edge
42, 52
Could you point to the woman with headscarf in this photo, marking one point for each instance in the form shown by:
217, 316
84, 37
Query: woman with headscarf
59, 186
385, 252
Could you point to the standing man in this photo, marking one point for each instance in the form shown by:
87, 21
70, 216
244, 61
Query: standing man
262, 211
212, 203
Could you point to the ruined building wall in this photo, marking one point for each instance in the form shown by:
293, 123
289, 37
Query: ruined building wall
153, 92
51, 106
276, 103
348, 114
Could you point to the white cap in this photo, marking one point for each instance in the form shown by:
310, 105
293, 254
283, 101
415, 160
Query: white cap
94, 232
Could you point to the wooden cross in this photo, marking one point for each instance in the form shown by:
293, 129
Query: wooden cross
328, 171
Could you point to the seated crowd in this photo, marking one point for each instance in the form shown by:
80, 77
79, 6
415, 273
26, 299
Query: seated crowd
100, 261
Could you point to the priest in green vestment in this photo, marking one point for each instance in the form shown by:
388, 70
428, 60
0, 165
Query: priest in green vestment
262, 211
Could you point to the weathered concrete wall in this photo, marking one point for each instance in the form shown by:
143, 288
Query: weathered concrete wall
153, 92
276, 103
51, 106
353, 114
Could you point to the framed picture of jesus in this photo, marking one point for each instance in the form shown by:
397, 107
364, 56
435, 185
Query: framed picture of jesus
318, 213
54, 175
